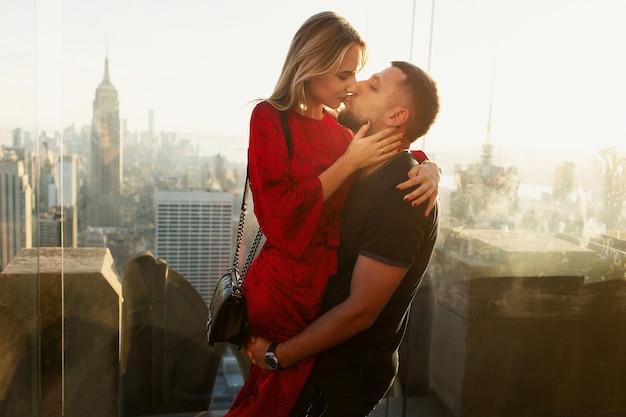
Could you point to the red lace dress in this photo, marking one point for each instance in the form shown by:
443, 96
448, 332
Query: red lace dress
286, 283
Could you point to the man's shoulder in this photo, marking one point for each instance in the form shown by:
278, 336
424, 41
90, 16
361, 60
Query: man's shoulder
396, 169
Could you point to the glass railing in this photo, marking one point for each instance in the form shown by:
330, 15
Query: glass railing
125, 127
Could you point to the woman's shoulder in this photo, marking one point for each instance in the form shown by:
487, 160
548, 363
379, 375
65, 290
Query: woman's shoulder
264, 118
265, 107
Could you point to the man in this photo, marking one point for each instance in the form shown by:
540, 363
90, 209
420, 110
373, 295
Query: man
386, 246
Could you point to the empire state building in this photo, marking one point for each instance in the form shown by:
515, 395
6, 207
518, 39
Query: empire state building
104, 205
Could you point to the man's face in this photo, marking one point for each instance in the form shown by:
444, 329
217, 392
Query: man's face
374, 100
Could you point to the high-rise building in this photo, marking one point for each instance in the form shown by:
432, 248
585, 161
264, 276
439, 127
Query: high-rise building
194, 235
46, 187
104, 205
67, 182
49, 230
63, 201
57, 228
15, 208
151, 124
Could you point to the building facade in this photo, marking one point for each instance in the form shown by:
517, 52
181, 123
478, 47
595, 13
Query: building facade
194, 235
15, 208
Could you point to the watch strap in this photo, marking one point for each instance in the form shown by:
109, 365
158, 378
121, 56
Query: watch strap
271, 360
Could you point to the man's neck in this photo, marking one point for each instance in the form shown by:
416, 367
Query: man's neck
368, 170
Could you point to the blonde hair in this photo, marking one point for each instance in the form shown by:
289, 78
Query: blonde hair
317, 50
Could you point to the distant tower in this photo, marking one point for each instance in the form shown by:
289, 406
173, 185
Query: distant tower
17, 138
46, 178
67, 173
151, 124
67, 199
104, 206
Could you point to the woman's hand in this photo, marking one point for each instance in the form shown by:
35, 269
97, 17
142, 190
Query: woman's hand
365, 151
427, 176
254, 348
362, 152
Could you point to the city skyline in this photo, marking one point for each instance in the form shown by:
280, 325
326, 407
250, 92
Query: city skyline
549, 69
76, 186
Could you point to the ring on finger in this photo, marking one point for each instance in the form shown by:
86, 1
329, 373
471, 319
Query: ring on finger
382, 151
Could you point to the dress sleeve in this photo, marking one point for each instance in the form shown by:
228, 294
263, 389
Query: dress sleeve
288, 209
420, 156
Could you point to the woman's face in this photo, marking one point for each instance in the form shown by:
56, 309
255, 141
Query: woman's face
333, 89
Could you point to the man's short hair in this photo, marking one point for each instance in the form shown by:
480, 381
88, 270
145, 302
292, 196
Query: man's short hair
420, 90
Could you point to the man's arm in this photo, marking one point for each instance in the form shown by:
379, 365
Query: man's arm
372, 285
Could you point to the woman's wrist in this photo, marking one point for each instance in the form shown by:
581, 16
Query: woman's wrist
429, 162
347, 163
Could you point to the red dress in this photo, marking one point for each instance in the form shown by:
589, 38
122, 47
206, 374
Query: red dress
285, 284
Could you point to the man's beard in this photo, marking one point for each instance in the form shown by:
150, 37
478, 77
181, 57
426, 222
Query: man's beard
350, 120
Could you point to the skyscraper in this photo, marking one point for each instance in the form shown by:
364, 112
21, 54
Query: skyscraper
194, 235
104, 206
63, 208
56, 228
15, 208
67, 174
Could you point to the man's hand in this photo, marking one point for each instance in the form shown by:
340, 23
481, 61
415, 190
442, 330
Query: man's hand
427, 176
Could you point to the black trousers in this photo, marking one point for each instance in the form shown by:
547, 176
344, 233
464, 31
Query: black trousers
344, 392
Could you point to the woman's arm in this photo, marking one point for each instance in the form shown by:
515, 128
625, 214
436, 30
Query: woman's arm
427, 175
288, 205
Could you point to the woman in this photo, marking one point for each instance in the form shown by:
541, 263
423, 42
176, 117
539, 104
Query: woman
298, 196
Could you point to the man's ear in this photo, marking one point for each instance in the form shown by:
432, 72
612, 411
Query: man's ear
398, 117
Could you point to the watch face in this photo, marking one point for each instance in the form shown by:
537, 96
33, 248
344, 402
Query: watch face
272, 362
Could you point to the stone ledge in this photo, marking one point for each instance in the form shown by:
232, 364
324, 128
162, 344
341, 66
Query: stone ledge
62, 310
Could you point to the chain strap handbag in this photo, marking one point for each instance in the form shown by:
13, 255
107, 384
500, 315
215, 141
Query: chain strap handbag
227, 320
227, 312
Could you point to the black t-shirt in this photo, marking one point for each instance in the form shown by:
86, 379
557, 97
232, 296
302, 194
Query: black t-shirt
377, 223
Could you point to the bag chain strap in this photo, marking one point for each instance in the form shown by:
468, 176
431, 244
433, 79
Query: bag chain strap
259, 233
242, 219
253, 249
240, 229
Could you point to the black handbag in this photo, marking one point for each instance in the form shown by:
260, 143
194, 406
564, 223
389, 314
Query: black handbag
227, 312
227, 320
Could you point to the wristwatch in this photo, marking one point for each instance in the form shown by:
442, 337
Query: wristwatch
271, 361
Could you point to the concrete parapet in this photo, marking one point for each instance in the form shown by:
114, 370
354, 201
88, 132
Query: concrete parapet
518, 330
170, 367
60, 312
76, 340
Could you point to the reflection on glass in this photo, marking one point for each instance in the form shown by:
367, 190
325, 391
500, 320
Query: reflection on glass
530, 137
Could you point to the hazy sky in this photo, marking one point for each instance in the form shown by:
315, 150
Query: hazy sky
557, 67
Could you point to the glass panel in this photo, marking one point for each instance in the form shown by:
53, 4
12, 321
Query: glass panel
123, 131
22, 315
